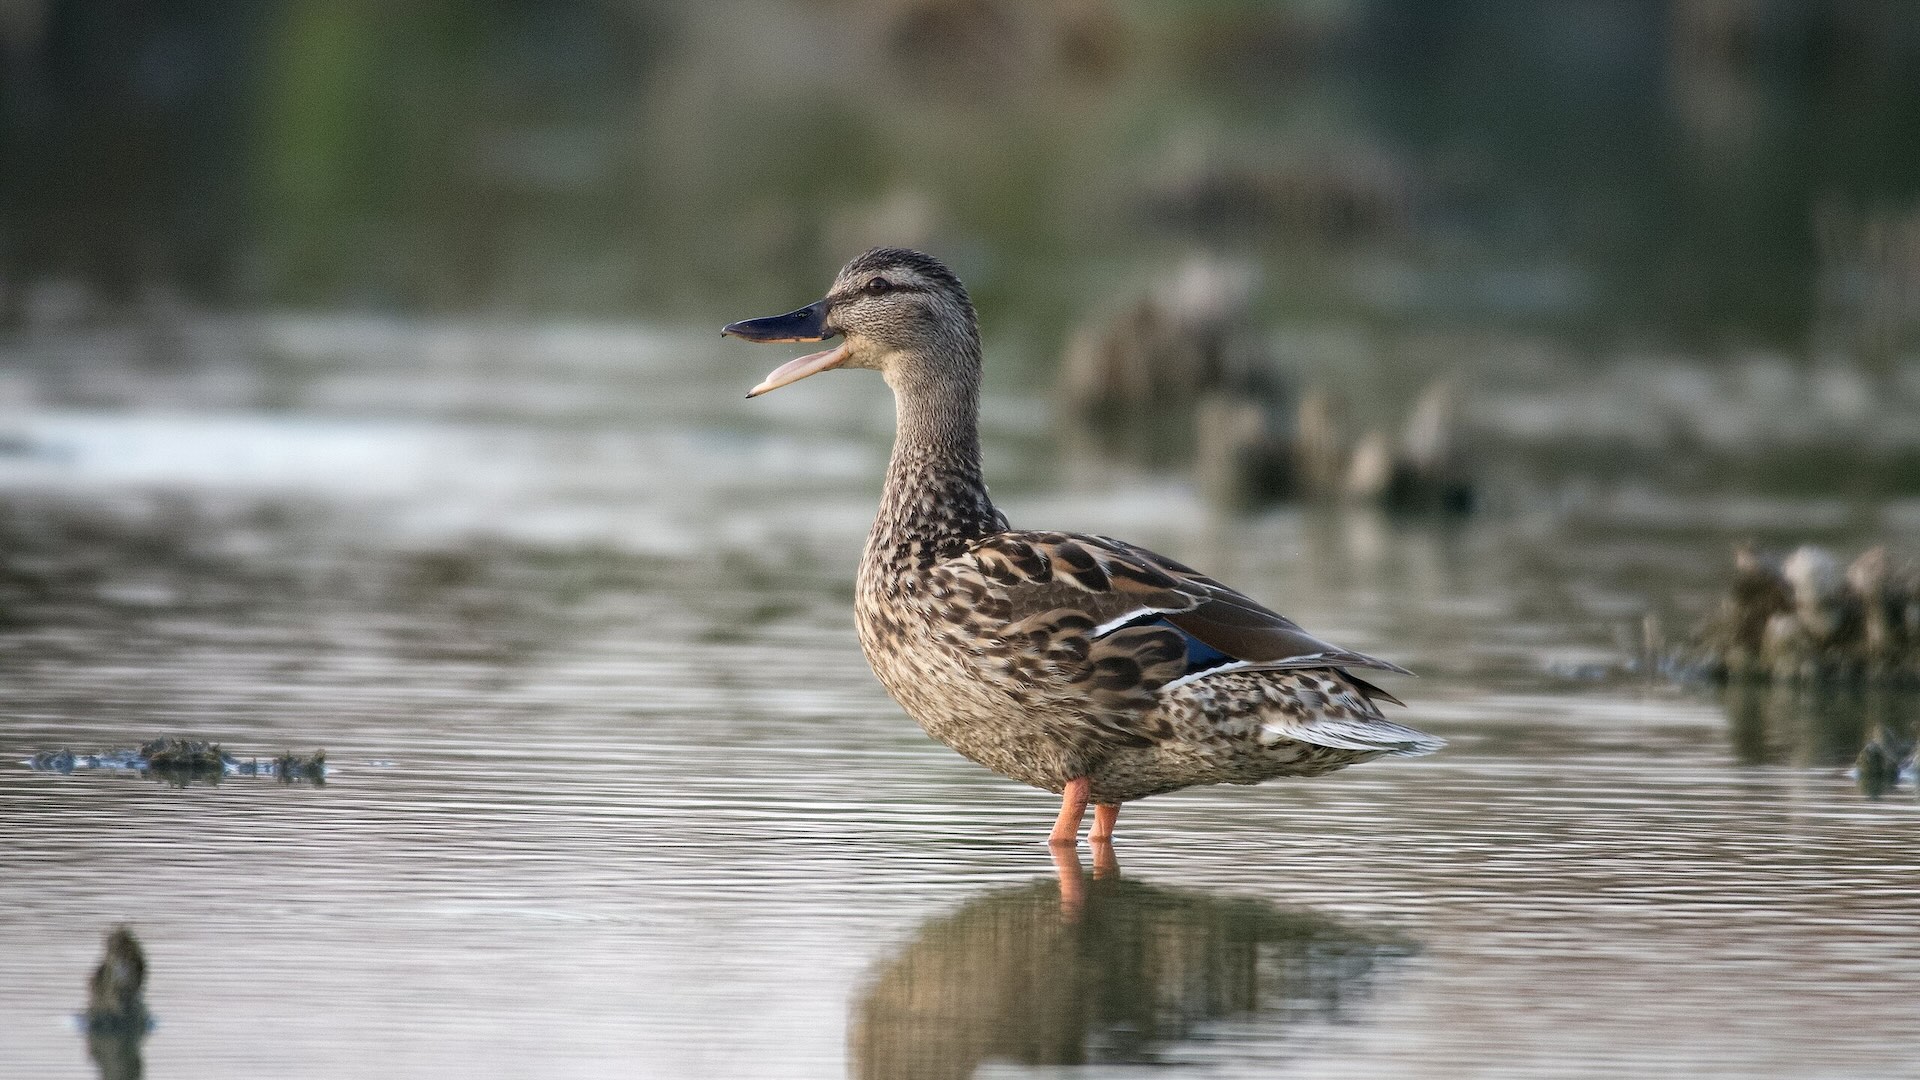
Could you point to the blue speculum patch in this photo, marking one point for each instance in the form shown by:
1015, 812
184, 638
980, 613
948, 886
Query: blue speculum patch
1200, 655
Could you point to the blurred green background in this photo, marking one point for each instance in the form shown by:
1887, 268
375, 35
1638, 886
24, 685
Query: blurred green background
1697, 172
360, 388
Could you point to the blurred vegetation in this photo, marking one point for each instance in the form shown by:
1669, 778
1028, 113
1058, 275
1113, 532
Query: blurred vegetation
1690, 170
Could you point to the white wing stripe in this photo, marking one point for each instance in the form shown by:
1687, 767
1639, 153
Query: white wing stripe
1291, 663
1111, 625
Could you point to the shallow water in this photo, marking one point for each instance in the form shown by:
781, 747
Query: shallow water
611, 792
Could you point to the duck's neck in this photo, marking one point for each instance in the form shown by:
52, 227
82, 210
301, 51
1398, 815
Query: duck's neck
935, 500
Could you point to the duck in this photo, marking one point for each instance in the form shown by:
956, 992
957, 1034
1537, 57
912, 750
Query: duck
1079, 664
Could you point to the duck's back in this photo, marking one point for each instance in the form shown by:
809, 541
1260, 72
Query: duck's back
1048, 656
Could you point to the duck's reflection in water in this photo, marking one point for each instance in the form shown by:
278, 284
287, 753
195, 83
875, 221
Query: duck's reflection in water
1037, 975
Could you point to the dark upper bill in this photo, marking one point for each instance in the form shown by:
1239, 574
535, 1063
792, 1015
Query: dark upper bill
807, 324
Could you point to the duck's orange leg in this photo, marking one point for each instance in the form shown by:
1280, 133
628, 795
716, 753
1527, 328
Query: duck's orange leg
1100, 839
1104, 815
1073, 807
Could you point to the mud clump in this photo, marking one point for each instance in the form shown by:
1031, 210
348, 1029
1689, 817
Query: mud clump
186, 761
116, 1020
116, 999
1189, 358
184, 756
1424, 471
1886, 758
1805, 618
310, 767
1191, 335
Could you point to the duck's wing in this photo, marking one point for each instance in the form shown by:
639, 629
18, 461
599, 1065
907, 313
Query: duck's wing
1235, 623
1114, 624
1119, 585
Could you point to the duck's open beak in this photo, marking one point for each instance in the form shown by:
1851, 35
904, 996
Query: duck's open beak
807, 324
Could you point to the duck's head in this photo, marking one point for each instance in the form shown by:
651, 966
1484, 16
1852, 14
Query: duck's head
899, 312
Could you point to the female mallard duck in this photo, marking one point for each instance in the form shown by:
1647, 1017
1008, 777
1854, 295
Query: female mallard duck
1080, 664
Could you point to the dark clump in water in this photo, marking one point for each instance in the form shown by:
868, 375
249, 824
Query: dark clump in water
1804, 619
1119, 978
1192, 335
116, 993
1887, 757
183, 755
1871, 728
186, 761
311, 767
1186, 371
116, 1019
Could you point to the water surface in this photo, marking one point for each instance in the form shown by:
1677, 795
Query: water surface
611, 791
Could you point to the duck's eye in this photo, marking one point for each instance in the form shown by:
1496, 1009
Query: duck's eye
878, 286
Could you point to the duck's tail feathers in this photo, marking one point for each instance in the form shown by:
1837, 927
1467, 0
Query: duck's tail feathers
1364, 734
1370, 691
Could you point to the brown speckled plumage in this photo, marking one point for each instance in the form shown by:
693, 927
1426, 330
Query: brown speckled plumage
1050, 656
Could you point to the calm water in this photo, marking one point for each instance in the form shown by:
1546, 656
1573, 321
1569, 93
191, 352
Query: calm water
613, 794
